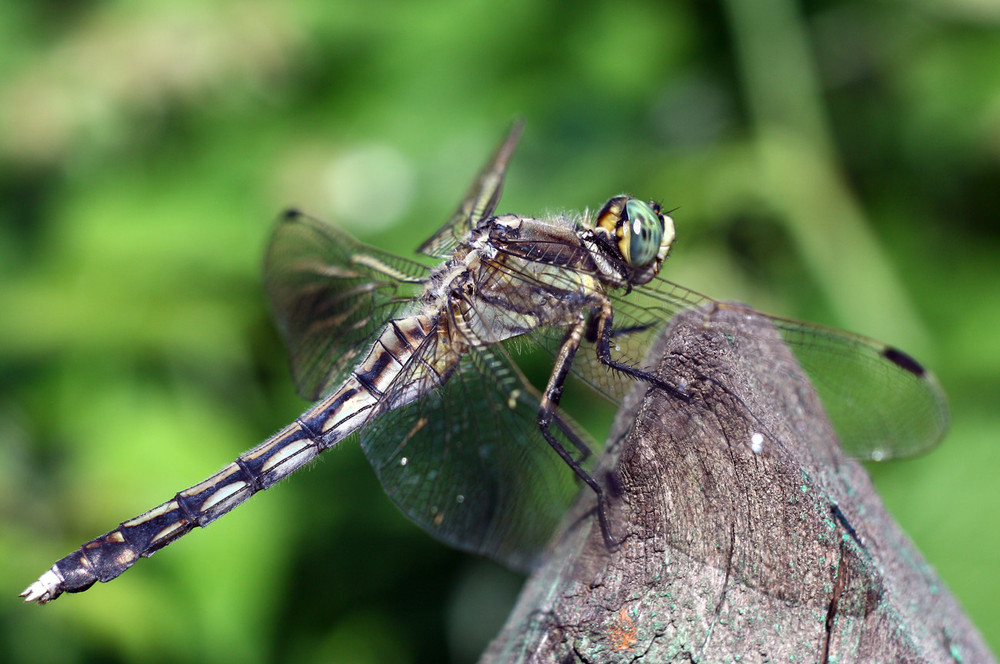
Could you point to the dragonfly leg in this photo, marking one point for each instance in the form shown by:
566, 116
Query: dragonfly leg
545, 419
605, 315
547, 416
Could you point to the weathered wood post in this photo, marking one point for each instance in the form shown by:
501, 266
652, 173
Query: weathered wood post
749, 537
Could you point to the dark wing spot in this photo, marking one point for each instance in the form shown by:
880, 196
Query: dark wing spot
904, 361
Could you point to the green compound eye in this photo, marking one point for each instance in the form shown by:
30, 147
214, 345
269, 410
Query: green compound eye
645, 231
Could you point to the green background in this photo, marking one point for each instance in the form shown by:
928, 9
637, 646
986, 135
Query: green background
836, 161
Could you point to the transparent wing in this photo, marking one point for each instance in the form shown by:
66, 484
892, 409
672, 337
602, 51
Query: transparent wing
882, 402
480, 201
467, 461
330, 296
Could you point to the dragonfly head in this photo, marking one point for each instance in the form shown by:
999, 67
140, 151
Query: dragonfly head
640, 233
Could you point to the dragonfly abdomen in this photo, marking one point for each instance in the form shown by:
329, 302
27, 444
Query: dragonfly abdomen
321, 427
107, 556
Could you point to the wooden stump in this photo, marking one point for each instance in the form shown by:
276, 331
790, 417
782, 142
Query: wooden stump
748, 536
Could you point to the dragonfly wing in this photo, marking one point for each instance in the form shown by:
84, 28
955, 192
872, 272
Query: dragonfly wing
467, 461
330, 296
881, 402
480, 201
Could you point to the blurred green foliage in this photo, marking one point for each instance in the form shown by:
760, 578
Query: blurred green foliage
837, 161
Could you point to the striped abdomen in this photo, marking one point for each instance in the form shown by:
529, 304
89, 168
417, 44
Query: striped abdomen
319, 428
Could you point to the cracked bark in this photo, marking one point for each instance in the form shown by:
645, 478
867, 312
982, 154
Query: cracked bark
783, 555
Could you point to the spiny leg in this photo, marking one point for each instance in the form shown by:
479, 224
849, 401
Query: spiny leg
547, 416
604, 316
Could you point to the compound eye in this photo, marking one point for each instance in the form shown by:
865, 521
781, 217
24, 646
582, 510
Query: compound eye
644, 231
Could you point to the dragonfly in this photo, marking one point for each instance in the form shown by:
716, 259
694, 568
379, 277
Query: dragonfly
418, 364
